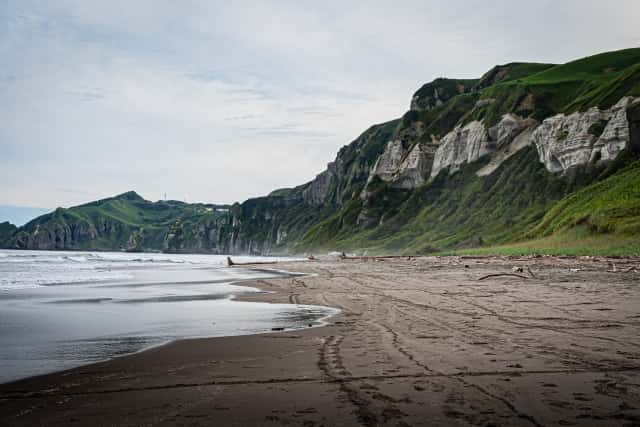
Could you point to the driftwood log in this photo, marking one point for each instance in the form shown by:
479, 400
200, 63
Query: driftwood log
503, 274
230, 262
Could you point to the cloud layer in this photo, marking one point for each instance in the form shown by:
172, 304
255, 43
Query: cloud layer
221, 101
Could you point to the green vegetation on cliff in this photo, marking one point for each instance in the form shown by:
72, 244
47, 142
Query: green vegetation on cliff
465, 210
124, 222
598, 80
601, 218
608, 206
7, 230
508, 72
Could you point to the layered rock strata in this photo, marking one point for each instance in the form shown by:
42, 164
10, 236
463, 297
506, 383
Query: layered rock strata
562, 141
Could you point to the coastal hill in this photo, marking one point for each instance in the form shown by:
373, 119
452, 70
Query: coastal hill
124, 222
528, 157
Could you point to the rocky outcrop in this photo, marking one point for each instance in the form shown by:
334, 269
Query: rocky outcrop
462, 145
562, 141
512, 134
509, 127
414, 169
56, 235
565, 141
389, 161
407, 167
404, 168
317, 191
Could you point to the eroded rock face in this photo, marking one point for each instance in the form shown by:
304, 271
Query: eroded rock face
462, 145
510, 138
317, 191
405, 168
566, 141
409, 168
389, 161
414, 170
562, 142
509, 127
58, 236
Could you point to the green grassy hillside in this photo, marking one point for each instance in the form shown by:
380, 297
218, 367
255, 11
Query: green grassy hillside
508, 72
599, 80
601, 218
519, 202
609, 206
124, 222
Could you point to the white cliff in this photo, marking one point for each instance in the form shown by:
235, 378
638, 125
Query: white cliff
389, 161
512, 134
404, 168
564, 141
462, 145
414, 169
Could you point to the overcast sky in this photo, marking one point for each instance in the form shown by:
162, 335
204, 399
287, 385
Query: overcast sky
222, 101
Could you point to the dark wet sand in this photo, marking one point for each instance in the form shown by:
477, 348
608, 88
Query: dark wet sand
419, 342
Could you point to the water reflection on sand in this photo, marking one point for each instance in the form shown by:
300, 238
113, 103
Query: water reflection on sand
51, 327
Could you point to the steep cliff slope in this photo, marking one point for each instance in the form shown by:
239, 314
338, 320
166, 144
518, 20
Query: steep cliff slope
473, 162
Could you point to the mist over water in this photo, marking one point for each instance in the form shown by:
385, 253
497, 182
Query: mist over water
63, 309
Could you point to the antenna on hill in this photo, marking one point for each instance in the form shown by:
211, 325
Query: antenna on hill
165, 197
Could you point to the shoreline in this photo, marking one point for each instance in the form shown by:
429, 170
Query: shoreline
270, 275
418, 341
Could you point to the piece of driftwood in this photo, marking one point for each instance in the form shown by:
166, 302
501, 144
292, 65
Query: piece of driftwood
503, 274
230, 263
615, 270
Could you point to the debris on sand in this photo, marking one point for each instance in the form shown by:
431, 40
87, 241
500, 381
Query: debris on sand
503, 274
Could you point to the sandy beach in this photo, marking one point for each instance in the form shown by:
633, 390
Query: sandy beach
419, 341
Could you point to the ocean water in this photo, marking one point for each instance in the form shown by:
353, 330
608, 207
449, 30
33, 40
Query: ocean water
59, 310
